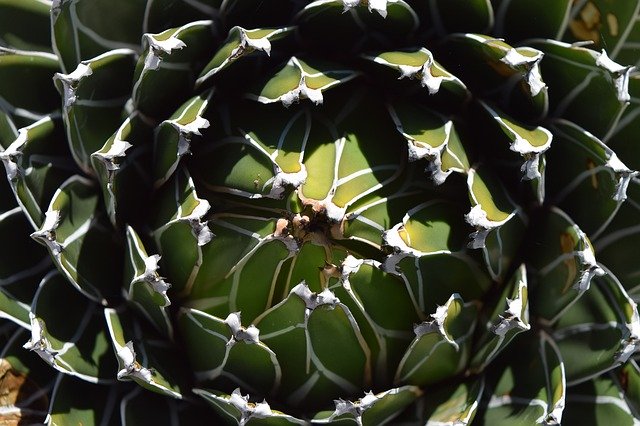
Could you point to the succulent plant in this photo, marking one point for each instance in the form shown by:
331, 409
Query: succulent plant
319, 212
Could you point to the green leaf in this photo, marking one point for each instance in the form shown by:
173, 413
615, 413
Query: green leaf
529, 389
223, 351
240, 43
180, 231
140, 407
303, 331
528, 142
173, 137
21, 269
419, 64
122, 162
28, 94
510, 317
627, 378
447, 18
432, 137
361, 285
609, 25
144, 287
513, 18
68, 331
603, 322
97, 405
508, 76
500, 224
140, 358
621, 139
242, 265
451, 405
564, 262
93, 99
591, 187
73, 229
579, 75
596, 402
616, 246
83, 29
442, 346
25, 25
371, 409
354, 23
37, 164
300, 79
166, 71
237, 409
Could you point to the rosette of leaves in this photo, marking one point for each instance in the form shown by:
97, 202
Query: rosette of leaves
319, 212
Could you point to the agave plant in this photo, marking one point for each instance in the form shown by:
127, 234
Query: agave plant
319, 212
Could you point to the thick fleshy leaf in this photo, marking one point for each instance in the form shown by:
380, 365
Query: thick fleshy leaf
592, 186
596, 402
123, 162
616, 247
140, 407
8, 130
361, 285
447, 18
167, 68
432, 137
144, 287
37, 164
98, 404
500, 224
26, 90
222, 351
429, 241
236, 408
509, 318
82, 29
368, 218
241, 43
93, 99
453, 405
73, 229
148, 362
513, 18
627, 378
622, 139
354, 23
25, 25
578, 75
300, 79
564, 263
527, 142
529, 389
68, 331
303, 331
442, 345
371, 409
603, 322
609, 25
173, 136
508, 76
243, 266
419, 64
180, 231
23, 265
